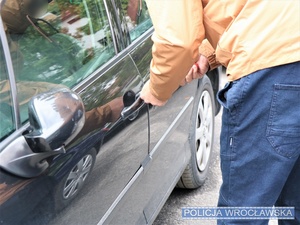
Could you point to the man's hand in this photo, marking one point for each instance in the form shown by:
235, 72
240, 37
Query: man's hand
148, 97
197, 71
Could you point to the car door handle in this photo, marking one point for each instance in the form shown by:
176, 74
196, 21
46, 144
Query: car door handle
137, 105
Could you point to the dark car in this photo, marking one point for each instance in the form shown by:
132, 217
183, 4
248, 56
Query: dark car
78, 145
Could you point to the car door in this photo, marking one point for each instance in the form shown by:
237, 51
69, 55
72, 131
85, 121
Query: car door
169, 130
77, 45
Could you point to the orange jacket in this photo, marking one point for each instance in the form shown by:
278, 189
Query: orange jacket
242, 35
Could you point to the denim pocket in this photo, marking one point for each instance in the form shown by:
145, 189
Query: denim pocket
283, 130
222, 94
232, 94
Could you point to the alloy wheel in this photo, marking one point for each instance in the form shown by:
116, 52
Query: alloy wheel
204, 130
77, 176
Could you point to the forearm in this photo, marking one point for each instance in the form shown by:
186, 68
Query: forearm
178, 34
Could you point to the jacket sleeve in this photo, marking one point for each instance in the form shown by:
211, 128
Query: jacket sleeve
178, 33
209, 52
217, 16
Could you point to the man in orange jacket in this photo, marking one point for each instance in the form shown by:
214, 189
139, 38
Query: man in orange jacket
259, 43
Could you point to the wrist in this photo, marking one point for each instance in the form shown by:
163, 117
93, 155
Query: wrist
208, 51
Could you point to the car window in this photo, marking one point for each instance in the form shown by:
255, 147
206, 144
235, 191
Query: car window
137, 17
6, 110
64, 45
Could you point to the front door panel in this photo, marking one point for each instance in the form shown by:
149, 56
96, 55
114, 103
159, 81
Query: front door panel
72, 46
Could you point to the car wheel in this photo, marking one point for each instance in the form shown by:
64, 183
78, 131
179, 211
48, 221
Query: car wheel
201, 137
74, 181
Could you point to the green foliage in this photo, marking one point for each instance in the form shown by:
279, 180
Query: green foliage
56, 60
95, 8
40, 65
124, 4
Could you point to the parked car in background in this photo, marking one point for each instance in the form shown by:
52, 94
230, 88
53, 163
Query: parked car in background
78, 145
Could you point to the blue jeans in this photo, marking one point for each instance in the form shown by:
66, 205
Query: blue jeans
260, 141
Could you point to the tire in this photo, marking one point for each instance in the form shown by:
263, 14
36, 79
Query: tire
224, 69
201, 137
74, 180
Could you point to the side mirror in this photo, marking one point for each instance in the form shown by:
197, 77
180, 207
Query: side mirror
55, 118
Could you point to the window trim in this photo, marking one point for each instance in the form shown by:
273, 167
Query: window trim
11, 76
108, 12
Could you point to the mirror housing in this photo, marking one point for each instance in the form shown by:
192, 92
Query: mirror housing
55, 118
